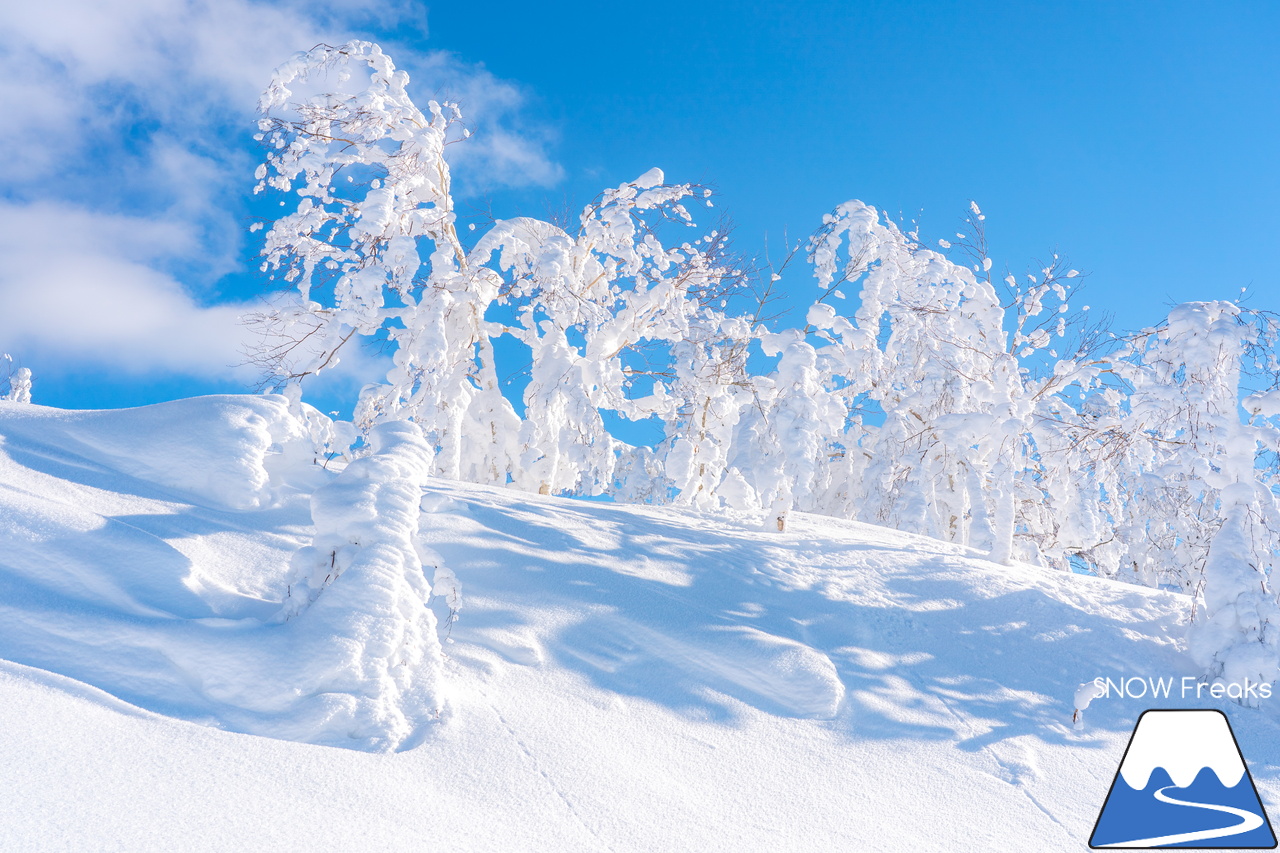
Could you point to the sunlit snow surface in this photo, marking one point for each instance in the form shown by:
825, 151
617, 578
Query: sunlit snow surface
621, 678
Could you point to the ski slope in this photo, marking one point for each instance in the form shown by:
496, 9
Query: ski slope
621, 678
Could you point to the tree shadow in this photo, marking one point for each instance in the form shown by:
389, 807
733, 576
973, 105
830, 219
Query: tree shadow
924, 643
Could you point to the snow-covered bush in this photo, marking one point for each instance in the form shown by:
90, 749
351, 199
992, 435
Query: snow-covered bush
17, 382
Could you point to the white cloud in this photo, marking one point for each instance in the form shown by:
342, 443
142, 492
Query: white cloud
128, 155
73, 69
78, 286
501, 152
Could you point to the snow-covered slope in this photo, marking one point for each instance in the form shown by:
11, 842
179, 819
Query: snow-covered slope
621, 678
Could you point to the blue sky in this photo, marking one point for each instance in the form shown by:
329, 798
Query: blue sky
1138, 139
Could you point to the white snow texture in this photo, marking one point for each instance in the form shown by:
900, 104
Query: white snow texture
622, 678
162, 537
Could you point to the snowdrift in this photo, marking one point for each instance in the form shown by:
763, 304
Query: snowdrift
148, 552
621, 677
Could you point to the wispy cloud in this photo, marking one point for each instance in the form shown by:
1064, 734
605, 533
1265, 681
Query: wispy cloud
87, 287
128, 157
504, 150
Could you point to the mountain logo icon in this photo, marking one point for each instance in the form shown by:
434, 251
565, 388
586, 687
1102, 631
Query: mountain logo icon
1183, 783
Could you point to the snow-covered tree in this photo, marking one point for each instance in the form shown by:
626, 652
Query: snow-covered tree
378, 256
926, 346
708, 394
373, 189
1209, 518
800, 419
591, 307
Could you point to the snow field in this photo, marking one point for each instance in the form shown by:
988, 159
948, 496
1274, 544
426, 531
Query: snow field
621, 678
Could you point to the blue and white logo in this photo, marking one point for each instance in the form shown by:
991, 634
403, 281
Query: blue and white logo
1183, 783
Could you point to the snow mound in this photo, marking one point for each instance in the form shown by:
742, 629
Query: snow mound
777, 674
207, 450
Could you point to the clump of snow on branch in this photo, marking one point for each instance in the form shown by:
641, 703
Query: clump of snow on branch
1084, 696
